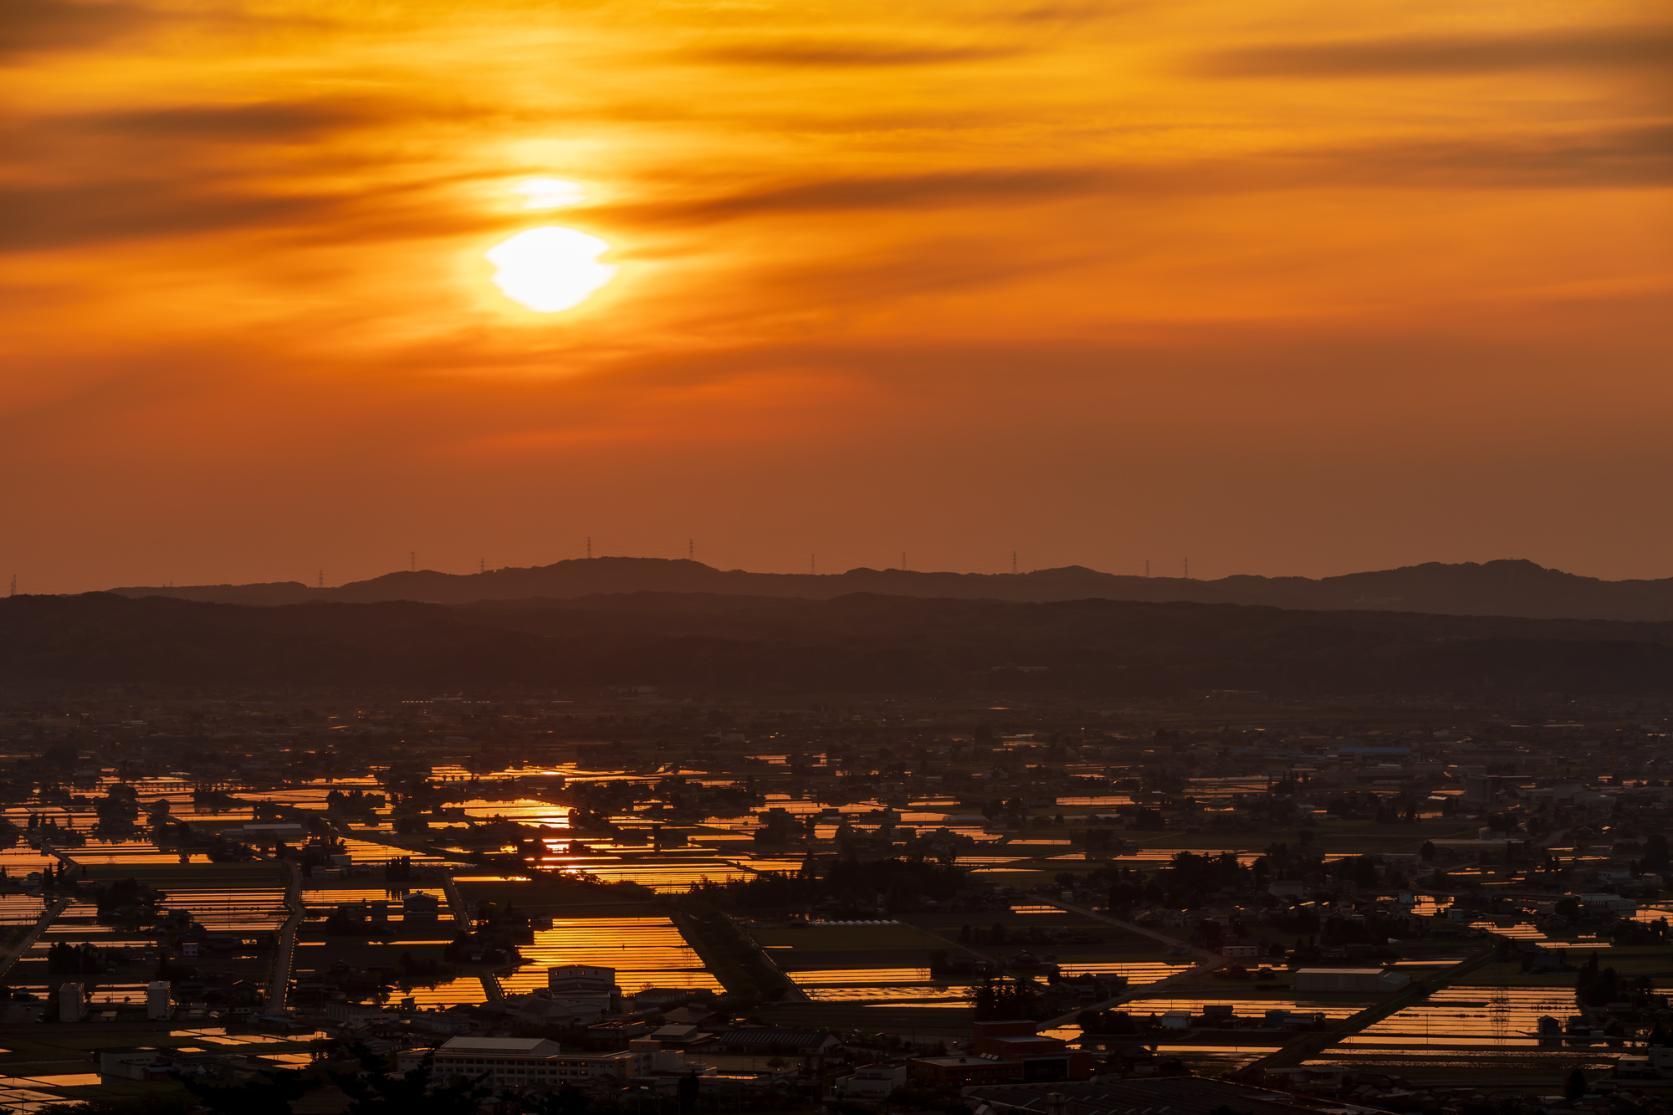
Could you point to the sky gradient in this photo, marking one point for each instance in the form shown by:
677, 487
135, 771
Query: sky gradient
1286, 286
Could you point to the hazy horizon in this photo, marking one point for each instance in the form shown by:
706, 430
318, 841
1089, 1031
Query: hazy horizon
1156, 571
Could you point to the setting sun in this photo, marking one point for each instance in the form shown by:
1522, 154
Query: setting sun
550, 269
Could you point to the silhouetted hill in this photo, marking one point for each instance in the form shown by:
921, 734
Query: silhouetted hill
1503, 588
858, 643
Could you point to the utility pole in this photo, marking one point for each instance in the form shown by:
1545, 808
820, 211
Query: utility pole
482, 565
1013, 563
589, 547
903, 559
1147, 567
813, 564
691, 549
412, 561
14, 584
1187, 569
322, 578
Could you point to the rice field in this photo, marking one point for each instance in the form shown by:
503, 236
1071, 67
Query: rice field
645, 952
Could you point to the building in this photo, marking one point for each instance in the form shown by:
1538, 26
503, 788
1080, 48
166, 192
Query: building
870, 1082
963, 1071
587, 988
72, 1002
1041, 1057
518, 1064
1354, 981
157, 994
420, 910
766, 1049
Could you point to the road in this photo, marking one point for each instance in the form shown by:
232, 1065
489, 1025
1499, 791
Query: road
1310, 1044
27, 942
1207, 961
284, 955
462, 918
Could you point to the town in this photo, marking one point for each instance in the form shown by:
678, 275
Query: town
644, 902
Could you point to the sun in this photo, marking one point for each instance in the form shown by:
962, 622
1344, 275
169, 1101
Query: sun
550, 269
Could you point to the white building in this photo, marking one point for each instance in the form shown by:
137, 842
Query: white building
870, 1082
72, 1002
584, 990
157, 994
519, 1064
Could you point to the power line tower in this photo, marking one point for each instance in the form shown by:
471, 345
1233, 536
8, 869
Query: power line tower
589, 547
1187, 569
14, 585
1498, 1014
412, 561
903, 559
813, 564
321, 579
482, 565
1147, 567
1013, 563
691, 549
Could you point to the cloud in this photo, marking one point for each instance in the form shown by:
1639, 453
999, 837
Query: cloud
867, 193
60, 216
1588, 48
280, 121
53, 215
40, 26
839, 54
29, 28
1603, 159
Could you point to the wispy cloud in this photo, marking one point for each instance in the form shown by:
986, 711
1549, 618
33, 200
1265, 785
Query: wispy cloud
840, 54
1460, 53
41, 26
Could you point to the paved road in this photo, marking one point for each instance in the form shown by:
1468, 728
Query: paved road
1313, 1042
1207, 961
278, 988
462, 918
18, 951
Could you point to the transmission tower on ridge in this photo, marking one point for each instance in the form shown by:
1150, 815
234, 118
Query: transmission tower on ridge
1013, 563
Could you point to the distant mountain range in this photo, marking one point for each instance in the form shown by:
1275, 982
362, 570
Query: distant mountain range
1494, 588
711, 644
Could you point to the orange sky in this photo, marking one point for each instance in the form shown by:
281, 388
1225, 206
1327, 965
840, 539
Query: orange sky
1289, 286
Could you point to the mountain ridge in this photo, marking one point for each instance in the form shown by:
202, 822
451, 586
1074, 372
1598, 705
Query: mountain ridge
1501, 587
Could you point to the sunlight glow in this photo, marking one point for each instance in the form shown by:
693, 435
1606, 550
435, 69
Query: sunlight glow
550, 269
549, 193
